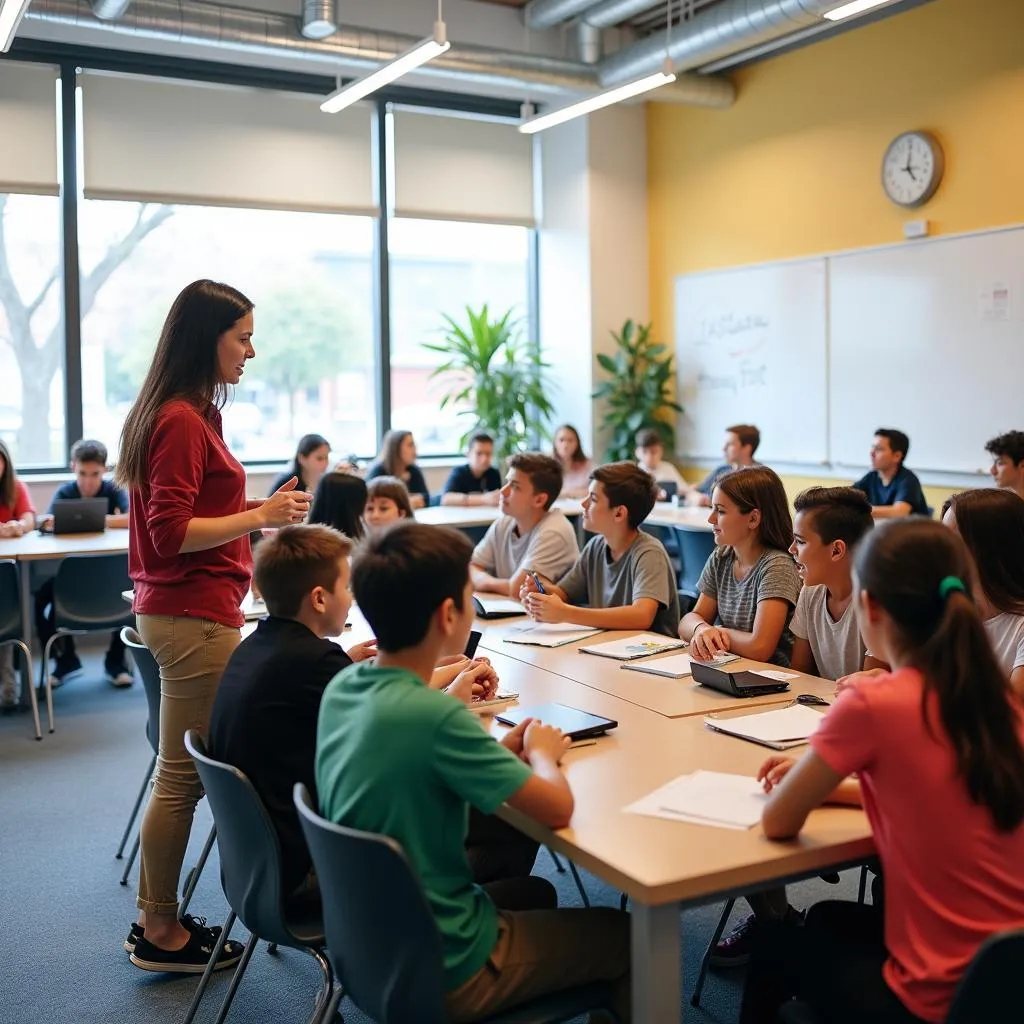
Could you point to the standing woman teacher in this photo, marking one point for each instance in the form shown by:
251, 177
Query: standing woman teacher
190, 562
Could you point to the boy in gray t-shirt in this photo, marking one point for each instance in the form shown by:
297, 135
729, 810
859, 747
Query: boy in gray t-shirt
624, 576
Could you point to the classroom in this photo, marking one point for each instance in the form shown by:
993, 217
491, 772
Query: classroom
511, 510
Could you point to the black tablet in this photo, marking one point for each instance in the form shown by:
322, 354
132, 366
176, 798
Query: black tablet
577, 725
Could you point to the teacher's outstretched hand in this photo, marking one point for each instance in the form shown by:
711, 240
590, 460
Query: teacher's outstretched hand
286, 506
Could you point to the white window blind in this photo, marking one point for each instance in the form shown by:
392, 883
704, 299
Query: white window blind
168, 141
462, 169
28, 128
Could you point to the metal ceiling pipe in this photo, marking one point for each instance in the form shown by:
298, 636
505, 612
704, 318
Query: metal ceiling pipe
109, 10
588, 43
254, 33
615, 12
715, 33
548, 13
319, 18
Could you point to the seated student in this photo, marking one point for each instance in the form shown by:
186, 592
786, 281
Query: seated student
576, 467
750, 584
265, 712
439, 761
830, 521
623, 574
529, 534
991, 524
1007, 451
340, 501
890, 487
477, 482
308, 465
938, 748
89, 464
17, 517
387, 501
650, 456
741, 442
398, 458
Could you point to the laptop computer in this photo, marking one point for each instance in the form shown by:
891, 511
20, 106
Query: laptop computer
577, 725
80, 515
736, 683
669, 487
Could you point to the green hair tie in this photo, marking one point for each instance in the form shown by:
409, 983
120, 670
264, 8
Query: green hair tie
949, 584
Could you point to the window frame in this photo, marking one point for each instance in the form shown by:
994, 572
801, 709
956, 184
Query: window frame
71, 59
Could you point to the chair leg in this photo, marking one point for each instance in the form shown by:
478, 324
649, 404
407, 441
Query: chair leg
193, 878
326, 992
135, 809
45, 670
29, 683
200, 991
623, 902
579, 884
237, 978
702, 975
331, 1014
272, 948
559, 866
863, 883
131, 858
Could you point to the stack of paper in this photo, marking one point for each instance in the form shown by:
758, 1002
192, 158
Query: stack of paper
640, 646
786, 727
675, 667
706, 798
550, 634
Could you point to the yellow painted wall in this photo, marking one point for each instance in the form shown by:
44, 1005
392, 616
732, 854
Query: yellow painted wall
793, 169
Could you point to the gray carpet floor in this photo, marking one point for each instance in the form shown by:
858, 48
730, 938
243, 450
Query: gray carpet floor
63, 915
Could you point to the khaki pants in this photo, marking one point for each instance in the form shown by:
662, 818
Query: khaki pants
540, 952
191, 654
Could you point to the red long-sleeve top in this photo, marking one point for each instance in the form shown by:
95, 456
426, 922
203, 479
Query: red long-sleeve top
191, 475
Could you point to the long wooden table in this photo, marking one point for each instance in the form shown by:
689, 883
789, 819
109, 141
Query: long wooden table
685, 517
461, 516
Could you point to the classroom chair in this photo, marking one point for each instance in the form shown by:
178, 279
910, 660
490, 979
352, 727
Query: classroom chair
382, 938
988, 993
12, 631
695, 547
86, 599
250, 871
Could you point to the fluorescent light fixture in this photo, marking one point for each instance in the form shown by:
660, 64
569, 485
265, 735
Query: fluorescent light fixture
853, 8
10, 18
592, 103
420, 54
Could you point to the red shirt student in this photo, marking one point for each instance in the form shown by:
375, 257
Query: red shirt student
191, 564
938, 749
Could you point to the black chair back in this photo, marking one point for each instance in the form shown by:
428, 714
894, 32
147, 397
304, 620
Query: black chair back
150, 672
381, 936
11, 626
87, 593
990, 988
695, 547
250, 855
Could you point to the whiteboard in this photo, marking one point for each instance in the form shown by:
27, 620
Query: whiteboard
928, 338
751, 347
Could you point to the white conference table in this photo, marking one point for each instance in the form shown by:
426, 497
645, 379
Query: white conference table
461, 516
687, 517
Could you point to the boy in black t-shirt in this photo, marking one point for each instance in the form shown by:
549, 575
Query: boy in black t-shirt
477, 482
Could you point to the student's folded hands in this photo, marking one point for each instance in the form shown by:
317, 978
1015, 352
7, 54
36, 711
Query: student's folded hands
707, 642
478, 681
546, 608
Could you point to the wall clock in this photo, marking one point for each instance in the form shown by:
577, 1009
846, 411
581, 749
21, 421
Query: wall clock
912, 168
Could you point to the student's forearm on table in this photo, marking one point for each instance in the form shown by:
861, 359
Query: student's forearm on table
895, 511
847, 793
119, 521
627, 616
203, 534
486, 583
691, 621
750, 645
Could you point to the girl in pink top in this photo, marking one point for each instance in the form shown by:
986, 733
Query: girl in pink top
938, 748
576, 467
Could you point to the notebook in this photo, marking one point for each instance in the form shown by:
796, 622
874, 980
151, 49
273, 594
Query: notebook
493, 607
550, 634
676, 667
640, 646
577, 725
780, 729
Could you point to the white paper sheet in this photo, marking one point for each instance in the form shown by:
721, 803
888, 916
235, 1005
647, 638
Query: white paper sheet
777, 674
795, 723
706, 798
550, 634
675, 667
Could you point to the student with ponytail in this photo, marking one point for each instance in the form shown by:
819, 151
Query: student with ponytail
938, 748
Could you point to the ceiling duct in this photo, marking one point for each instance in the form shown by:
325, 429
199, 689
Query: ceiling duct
548, 13
717, 32
274, 36
319, 18
615, 12
109, 10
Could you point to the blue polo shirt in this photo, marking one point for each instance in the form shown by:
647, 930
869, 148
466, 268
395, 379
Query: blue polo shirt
117, 500
462, 481
904, 486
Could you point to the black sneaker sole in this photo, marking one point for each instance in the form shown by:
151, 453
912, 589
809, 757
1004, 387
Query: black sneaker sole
171, 967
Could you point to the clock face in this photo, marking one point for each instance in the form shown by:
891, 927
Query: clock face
912, 168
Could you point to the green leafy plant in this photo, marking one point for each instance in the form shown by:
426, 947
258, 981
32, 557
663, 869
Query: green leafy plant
638, 393
498, 376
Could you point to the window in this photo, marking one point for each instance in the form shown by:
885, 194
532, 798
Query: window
310, 277
31, 330
438, 268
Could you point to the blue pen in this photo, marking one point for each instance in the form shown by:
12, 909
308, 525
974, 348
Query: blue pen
540, 586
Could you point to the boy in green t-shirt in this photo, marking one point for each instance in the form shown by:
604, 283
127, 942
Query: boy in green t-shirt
396, 757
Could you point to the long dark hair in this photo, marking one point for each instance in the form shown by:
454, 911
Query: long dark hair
760, 487
579, 456
901, 564
991, 522
8, 479
184, 366
339, 501
391, 452
308, 444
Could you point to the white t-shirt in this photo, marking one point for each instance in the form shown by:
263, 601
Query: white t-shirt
666, 473
836, 645
1006, 634
550, 548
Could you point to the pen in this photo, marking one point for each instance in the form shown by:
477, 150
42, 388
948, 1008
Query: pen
584, 743
540, 586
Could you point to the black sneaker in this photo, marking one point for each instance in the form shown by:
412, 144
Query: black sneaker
118, 674
192, 958
193, 924
67, 664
